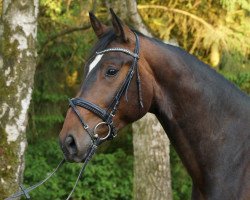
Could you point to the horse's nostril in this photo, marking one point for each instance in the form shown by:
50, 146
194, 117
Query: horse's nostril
69, 140
71, 145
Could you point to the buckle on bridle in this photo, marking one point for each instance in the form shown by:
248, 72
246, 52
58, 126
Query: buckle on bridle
86, 127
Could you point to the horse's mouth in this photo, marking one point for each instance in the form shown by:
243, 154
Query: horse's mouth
73, 157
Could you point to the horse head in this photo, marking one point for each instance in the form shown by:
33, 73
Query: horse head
117, 89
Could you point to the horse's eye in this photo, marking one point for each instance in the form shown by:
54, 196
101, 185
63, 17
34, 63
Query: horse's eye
111, 72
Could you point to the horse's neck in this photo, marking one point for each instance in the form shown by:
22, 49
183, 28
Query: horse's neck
196, 107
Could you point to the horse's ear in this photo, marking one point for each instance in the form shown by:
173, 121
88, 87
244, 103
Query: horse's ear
97, 26
121, 30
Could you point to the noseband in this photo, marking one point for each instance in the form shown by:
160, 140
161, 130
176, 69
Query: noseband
108, 114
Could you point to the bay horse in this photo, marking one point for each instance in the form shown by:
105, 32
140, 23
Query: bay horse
206, 118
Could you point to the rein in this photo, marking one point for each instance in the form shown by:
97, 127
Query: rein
106, 115
25, 192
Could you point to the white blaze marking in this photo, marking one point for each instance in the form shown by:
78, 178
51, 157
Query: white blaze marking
94, 62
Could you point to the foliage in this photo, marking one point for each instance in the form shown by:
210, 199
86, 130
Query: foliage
1, 8
241, 79
231, 4
217, 32
62, 53
107, 176
203, 28
60, 67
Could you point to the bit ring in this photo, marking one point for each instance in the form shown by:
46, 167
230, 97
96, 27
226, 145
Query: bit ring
105, 137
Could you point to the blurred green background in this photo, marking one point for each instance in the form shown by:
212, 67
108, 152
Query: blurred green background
216, 31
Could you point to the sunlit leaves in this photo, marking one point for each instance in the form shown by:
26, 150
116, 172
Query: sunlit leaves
231, 5
1, 7
204, 28
72, 78
60, 64
52, 8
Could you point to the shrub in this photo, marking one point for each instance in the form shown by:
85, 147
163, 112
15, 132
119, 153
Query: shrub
107, 176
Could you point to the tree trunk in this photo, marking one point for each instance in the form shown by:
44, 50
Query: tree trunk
18, 31
152, 179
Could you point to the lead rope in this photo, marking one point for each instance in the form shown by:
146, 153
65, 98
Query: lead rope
26, 191
89, 156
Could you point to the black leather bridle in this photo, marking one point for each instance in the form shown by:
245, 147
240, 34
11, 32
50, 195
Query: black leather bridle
106, 115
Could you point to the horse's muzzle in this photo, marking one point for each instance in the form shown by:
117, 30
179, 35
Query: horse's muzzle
73, 151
